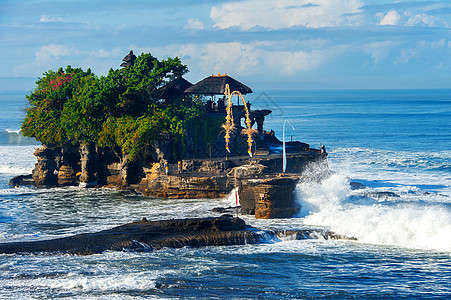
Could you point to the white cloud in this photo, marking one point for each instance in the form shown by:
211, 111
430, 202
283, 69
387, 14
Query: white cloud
58, 55
102, 53
48, 19
230, 57
194, 24
48, 53
409, 18
422, 20
289, 63
281, 14
421, 49
406, 55
440, 44
381, 50
391, 18
254, 58
241, 58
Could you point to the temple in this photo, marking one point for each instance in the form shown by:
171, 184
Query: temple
220, 153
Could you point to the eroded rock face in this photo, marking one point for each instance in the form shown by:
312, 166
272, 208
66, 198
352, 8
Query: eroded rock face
44, 172
187, 179
68, 164
56, 166
249, 171
88, 165
205, 166
66, 175
83, 165
184, 186
269, 198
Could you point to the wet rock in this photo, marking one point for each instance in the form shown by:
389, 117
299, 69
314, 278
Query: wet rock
44, 172
145, 235
21, 180
381, 195
227, 216
66, 175
153, 235
229, 209
182, 186
218, 209
357, 185
271, 197
307, 234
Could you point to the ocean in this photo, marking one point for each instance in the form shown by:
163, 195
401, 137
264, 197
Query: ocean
395, 143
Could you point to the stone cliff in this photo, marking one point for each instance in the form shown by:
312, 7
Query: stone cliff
263, 189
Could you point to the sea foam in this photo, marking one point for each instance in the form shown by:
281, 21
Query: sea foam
395, 221
16, 131
16, 160
381, 168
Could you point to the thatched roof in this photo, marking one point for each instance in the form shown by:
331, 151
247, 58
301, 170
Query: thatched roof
215, 85
175, 88
129, 59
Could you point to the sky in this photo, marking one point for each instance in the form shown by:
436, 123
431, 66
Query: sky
286, 44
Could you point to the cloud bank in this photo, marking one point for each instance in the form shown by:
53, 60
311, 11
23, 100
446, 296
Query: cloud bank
293, 40
280, 14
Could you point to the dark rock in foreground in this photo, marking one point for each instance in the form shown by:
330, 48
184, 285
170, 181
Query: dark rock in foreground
145, 235
153, 235
21, 180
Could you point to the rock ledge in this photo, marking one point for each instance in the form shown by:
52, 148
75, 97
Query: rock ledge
153, 235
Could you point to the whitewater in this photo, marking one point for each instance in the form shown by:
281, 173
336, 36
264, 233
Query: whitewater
390, 188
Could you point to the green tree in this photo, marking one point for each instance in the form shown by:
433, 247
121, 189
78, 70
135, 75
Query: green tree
82, 116
47, 103
121, 109
142, 81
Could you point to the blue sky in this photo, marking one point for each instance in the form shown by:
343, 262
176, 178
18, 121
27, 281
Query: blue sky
311, 44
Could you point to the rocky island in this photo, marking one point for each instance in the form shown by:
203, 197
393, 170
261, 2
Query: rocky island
144, 127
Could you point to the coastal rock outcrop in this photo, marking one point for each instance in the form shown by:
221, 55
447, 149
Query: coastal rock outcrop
263, 189
19, 180
153, 235
269, 198
145, 235
44, 172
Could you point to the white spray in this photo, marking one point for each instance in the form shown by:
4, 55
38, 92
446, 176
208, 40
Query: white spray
402, 221
232, 199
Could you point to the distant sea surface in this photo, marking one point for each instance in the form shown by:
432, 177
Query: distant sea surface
396, 143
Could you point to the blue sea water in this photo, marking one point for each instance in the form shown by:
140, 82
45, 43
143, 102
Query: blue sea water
394, 142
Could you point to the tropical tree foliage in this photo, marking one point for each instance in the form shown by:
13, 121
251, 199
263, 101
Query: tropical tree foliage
121, 109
